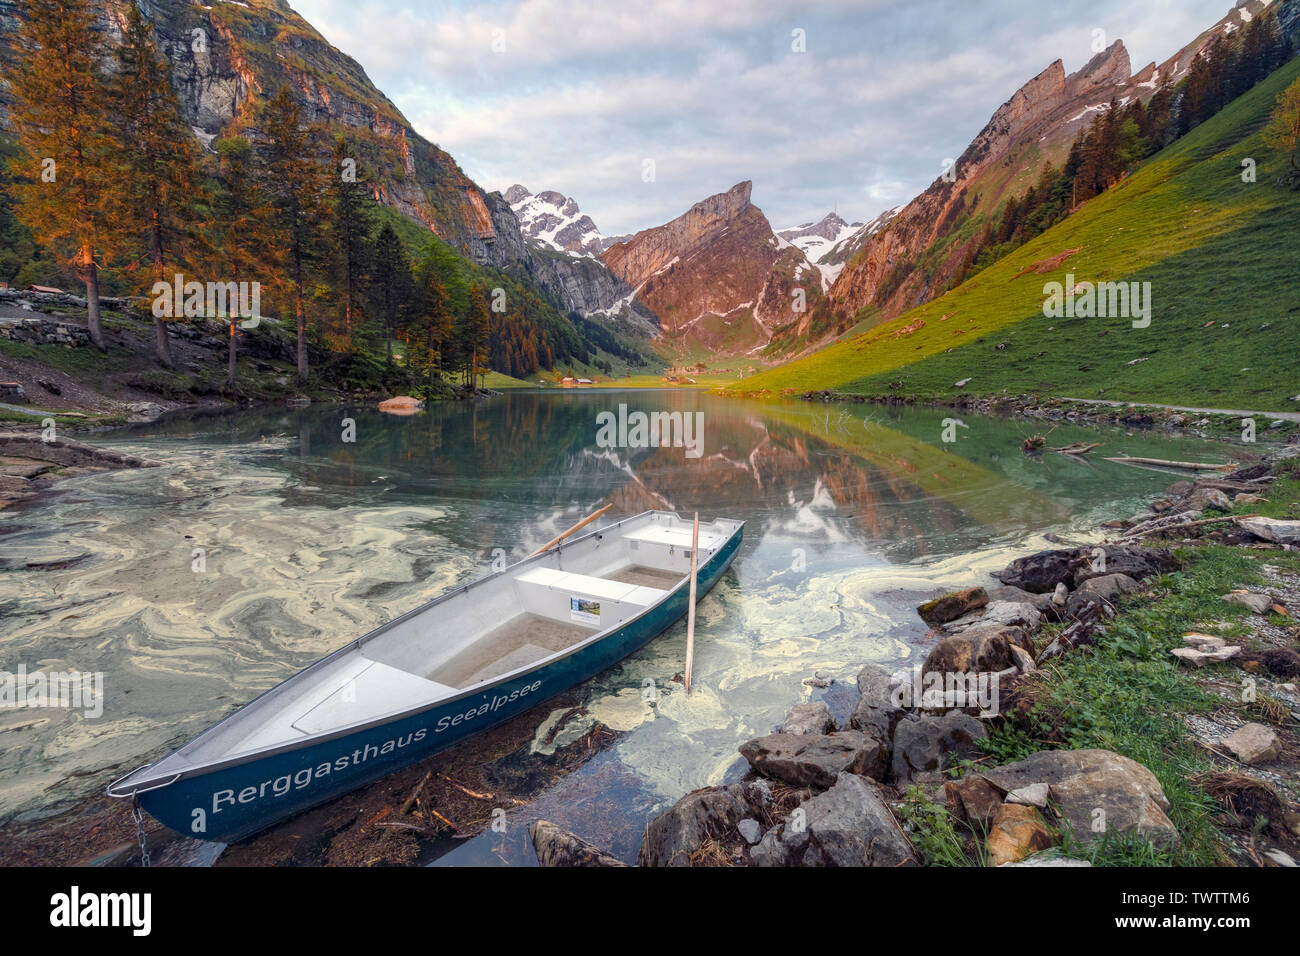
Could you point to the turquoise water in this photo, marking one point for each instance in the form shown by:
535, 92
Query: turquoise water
267, 540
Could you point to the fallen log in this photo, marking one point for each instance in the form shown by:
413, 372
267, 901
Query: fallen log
1178, 526
1185, 465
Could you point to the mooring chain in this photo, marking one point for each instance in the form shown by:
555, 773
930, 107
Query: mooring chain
138, 816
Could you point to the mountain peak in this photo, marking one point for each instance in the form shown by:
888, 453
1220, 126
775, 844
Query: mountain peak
1110, 67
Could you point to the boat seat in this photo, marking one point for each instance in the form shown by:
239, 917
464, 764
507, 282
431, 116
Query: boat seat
589, 586
676, 537
373, 690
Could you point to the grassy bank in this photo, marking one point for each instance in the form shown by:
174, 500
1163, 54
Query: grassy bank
1128, 694
1218, 252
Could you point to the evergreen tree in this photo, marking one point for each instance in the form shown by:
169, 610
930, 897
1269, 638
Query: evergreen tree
389, 284
351, 225
60, 120
243, 250
160, 192
294, 183
471, 336
430, 347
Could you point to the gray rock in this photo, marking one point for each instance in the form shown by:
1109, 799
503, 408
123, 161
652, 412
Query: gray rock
1038, 573
816, 760
1034, 795
1050, 857
1024, 660
1258, 603
1199, 658
1004, 613
848, 825
1254, 744
807, 718
929, 743
1203, 498
875, 712
711, 813
1060, 595
1272, 529
1106, 590
750, 830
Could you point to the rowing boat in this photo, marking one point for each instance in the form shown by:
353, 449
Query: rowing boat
465, 661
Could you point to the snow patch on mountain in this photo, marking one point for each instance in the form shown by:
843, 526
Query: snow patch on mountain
555, 220
829, 243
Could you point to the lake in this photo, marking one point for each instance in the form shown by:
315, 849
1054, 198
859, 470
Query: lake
270, 537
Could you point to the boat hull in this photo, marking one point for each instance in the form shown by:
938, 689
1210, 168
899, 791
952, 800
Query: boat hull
233, 802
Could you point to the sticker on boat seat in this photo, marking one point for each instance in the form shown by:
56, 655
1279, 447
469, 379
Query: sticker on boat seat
584, 610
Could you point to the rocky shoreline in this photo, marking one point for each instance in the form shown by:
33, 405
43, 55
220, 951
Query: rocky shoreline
1074, 411
29, 463
909, 779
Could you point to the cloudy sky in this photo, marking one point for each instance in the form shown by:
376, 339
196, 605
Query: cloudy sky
576, 95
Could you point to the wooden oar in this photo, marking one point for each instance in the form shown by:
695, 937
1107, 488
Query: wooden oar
577, 527
690, 612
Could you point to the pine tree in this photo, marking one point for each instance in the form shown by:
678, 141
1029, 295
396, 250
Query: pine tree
471, 335
244, 250
160, 196
352, 223
295, 184
60, 120
431, 346
389, 284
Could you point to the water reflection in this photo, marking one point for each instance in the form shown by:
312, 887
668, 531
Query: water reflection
308, 540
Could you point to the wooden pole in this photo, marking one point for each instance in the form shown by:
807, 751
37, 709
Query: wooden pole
1187, 465
577, 527
690, 611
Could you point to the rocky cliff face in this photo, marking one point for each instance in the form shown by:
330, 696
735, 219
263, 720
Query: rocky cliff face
717, 276
228, 56
1039, 122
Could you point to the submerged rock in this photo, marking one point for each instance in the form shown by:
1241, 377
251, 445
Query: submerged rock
808, 718
848, 825
556, 846
952, 606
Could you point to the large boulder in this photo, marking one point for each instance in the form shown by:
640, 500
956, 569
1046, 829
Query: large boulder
817, 759
1096, 792
1138, 563
556, 846
977, 649
952, 606
1272, 529
710, 813
930, 743
848, 825
1006, 613
1038, 573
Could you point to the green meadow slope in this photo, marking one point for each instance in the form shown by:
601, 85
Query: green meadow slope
1214, 248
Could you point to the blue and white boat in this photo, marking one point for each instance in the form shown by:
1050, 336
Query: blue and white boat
470, 659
